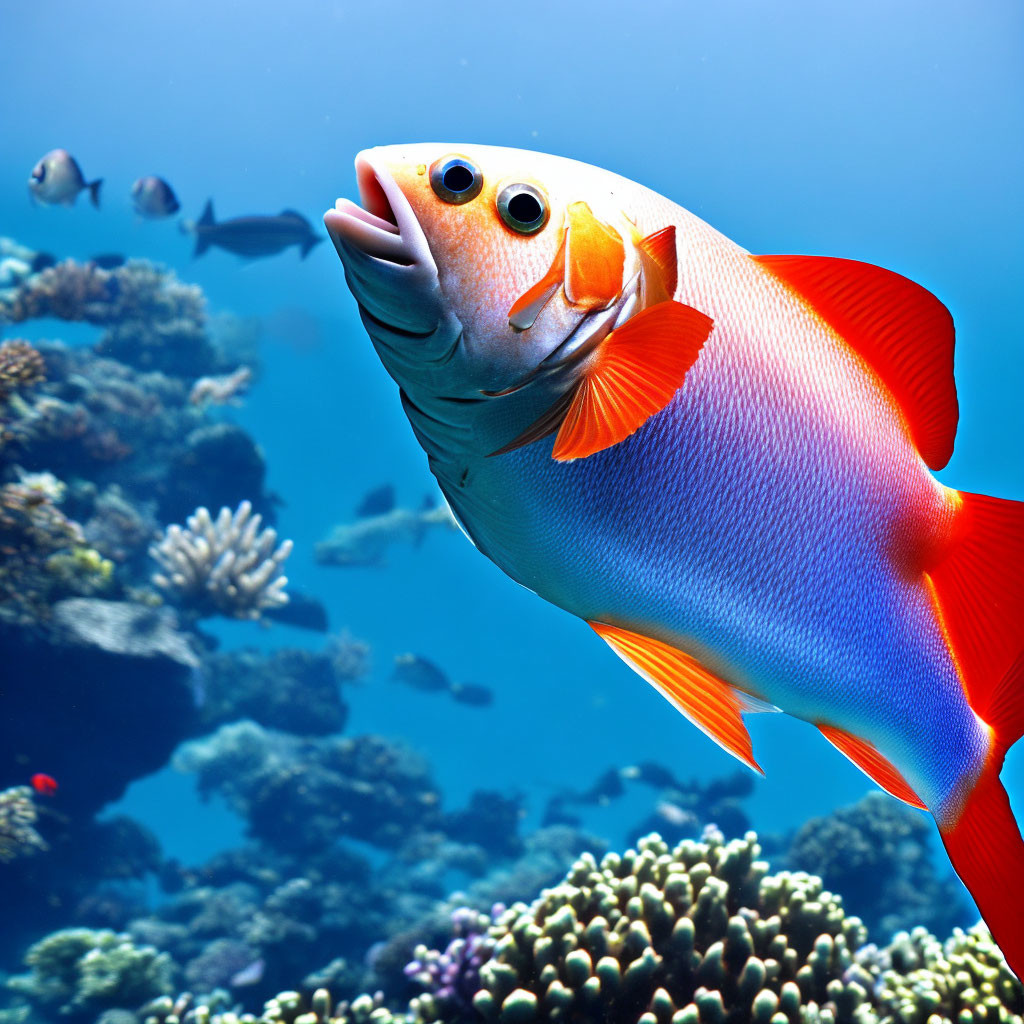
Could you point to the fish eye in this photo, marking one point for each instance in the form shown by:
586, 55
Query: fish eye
455, 179
39, 172
523, 208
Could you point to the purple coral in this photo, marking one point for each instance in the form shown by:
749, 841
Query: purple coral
452, 977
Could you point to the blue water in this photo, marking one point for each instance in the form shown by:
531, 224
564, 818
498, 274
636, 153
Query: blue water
881, 134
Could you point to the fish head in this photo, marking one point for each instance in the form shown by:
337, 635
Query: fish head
463, 233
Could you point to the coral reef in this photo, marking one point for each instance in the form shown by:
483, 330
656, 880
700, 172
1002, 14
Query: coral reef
18, 835
304, 794
79, 972
293, 690
21, 366
877, 854
226, 565
692, 935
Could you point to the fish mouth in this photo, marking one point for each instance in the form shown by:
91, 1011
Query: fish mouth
384, 226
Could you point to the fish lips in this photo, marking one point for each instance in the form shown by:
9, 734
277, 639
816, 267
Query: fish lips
388, 264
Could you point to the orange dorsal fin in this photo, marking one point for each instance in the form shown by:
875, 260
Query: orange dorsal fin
899, 328
633, 374
978, 587
714, 706
595, 257
872, 764
527, 307
660, 248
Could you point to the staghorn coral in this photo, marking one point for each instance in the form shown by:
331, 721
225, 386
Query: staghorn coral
78, 972
18, 835
225, 565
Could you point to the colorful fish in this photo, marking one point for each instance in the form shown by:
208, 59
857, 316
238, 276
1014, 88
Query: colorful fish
720, 461
43, 784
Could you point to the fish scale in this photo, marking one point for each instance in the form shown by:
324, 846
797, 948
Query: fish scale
737, 496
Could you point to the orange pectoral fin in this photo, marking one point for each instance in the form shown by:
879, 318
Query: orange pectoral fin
634, 374
714, 706
900, 329
595, 257
527, 307
872, 764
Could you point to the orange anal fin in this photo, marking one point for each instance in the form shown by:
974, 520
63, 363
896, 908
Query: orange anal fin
985, 847
899, 328
595, 257
872, 764
714, 706
660, 248
527, 307
633, 375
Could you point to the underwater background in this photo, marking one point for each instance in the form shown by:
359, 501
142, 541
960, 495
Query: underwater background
882, 132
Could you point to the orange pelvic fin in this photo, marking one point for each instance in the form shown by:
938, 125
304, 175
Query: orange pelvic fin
714, 706
872, 764
634, 374
899, 328
595, 257
978, 583
659, 261
527, 307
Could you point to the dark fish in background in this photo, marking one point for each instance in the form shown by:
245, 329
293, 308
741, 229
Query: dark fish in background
57, 179
377, 502
472, 694
153, 198
42, 260
108, 260
419, 673
252, 236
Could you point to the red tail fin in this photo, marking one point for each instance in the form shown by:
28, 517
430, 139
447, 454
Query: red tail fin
988, 854
979, 586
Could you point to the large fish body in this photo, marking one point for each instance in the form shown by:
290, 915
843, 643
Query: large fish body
254, 236
737, 495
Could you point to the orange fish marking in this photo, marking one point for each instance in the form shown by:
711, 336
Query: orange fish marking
595, 258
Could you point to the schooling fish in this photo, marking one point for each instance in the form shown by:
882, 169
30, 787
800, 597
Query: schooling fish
153, 198
57, 179
252, 236
721, 461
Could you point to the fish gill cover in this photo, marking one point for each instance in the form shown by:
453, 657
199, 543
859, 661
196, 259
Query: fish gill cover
273, 744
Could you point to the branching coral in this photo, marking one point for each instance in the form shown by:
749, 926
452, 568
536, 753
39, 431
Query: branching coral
226, 565
18, 835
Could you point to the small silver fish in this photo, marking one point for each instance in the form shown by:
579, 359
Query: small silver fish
57, 179
153, 198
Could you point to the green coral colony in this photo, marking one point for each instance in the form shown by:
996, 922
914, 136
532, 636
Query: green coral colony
698, 934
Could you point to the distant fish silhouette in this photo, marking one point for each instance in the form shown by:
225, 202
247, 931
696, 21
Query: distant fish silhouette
377, 502
419, 673
252, 236
472, 694
108, 260
45, 785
